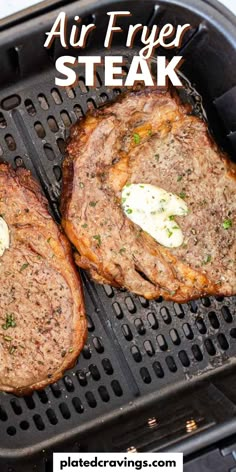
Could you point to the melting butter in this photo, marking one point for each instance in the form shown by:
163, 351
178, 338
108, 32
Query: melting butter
154, 209
4, 236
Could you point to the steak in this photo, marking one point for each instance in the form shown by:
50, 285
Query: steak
175, 152
42, 319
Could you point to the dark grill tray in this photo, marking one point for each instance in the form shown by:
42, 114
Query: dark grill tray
156, 368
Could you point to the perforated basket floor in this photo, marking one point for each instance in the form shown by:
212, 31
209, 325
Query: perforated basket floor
135, 347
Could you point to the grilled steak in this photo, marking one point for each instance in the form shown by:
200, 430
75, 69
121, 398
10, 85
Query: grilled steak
175, 152
42, 320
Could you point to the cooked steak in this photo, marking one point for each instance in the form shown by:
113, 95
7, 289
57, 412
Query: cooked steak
42, 320
148, 136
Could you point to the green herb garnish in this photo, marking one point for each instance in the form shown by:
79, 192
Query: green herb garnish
171, 217
24, 266
129, 211
182, 195
10, 321
12, 349
92, 204
157, 157
227, 224
122, 250
169, 232
179, 178
84, 225
98, 239
207, 259
137, 138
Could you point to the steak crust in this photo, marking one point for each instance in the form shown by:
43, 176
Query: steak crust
175, 152
40, 289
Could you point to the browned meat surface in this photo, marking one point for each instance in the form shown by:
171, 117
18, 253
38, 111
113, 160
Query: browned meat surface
174, 152
42, 320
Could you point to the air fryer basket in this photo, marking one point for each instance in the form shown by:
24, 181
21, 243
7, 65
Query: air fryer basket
153, 375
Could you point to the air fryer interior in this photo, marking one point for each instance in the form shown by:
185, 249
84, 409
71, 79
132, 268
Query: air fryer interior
160, 369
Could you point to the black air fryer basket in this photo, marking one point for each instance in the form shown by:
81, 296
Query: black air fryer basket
153, 375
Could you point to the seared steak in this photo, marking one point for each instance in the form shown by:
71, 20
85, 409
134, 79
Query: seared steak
148, 136
42, 320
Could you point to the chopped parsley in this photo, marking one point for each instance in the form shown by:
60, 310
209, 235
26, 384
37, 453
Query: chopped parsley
157, 157
92, 204
227, 224
171, 217
129, 211
84, 225
137, 138
179, 178
24, 266
182, 195
207, 259
122, 250
169, 232
150, 132
98, 239
10, 321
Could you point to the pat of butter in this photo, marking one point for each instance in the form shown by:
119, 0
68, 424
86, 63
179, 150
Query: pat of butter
153, 209
4, 236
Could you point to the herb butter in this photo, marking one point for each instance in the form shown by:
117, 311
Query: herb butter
154, 210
